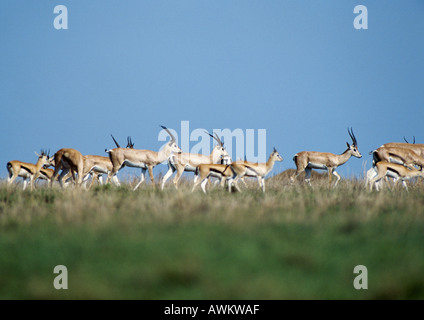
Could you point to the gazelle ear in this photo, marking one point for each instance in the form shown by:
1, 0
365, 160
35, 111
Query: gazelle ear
37, 154
348, 145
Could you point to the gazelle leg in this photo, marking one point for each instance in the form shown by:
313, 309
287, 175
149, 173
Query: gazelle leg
115, 180
374, 180
405, 185
31, 182
64, 173
167, 175
337, 176
143, 172
203, 184
180, 171
231, 181
330, 175
308, 172
152, 178
296, 174
259, 181
244, 182
25, 183
11, 179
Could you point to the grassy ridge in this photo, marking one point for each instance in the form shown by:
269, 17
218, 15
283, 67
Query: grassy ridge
293, 242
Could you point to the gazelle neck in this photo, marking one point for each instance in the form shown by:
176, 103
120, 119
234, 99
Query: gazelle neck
164, 153
39, 164
344, 157
270, 163
215, 155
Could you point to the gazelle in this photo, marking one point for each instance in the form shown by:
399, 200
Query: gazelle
96, 166
68, 159
399, 155
308, 160
258, 170
418, 148
222, 171
394, 170
144, 159
189, 161
27, 170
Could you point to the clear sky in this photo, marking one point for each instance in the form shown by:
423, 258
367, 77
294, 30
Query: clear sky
297, 68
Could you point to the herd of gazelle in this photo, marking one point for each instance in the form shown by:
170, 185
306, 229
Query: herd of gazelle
396, 160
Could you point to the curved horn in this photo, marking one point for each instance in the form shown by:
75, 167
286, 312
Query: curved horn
413, 141
210, 134
352, 136
218, 139
116, 142
169, 132
130, 144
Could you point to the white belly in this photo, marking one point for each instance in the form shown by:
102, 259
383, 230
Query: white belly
141, 165
24, 174
318, 166
189, 168
395, 160
99, 169
251, 173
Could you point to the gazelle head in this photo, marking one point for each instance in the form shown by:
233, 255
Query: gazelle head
44, 158
172, 144
275, 156
219, 148
130, 144
354, 146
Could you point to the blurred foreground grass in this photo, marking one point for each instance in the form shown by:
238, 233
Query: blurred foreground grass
293, 242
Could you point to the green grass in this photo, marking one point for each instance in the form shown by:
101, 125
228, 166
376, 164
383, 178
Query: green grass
293, 242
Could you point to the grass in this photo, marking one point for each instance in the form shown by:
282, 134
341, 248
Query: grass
293, 242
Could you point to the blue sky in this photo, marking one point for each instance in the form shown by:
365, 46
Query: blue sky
298, 69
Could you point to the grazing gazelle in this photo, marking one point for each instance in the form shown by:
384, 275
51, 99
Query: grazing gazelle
397, 171
27, 170
144, 159
189, 161
67, 159
258, 170
308, 160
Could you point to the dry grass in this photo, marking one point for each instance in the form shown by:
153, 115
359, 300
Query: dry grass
294, 241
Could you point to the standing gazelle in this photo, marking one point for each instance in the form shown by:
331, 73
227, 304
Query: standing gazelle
308, 160
258, 170
27, 170
144, 159
68, 159
189, 161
